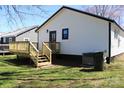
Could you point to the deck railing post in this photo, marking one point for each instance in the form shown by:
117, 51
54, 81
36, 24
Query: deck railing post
16, 46
42, 49
29, 48
47, 51
50, 57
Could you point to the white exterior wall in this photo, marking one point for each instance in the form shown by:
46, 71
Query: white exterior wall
117, 46
86, 33
32, 35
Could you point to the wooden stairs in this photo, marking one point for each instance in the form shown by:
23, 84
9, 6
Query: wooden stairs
43, 61
40, 58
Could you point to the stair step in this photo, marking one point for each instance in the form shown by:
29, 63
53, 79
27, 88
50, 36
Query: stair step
42, 60
43, 64
41, 57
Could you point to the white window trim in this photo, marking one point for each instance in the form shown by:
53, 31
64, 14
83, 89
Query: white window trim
10, 39
4, 39
116, 34
26, 39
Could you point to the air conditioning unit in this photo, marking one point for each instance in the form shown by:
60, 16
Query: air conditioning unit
93, 59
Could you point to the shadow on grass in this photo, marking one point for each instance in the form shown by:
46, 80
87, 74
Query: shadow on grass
49, 83
20, 62
7, 73
61, 70
88, 70
40, 79
66, 62
5, 77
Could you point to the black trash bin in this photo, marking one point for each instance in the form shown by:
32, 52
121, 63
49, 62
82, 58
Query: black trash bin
94, 59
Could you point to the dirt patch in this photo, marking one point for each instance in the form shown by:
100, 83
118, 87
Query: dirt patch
119, 57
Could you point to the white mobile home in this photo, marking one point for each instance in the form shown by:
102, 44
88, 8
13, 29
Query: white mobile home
80, 32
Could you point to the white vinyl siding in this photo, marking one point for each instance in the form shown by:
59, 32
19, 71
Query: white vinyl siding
117, 40
30, 35
4, 39
26, 39
86, 33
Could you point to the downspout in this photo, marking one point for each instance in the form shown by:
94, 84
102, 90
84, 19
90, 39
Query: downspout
37, 40
109, 43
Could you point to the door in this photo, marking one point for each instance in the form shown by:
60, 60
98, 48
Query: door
52, 40
52, 36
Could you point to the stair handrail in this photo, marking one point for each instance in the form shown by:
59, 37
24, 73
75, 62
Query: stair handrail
34, 52
49, 50
33, 46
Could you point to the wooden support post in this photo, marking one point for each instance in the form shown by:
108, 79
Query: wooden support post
17, 57
3, 54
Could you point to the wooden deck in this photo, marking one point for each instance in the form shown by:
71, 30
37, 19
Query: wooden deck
40, 58
54, 46
4, 48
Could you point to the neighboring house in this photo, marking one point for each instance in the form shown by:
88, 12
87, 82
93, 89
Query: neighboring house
0, 36
24, 34
80, 32
28, 35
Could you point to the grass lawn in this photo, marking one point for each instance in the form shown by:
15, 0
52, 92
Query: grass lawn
12, 75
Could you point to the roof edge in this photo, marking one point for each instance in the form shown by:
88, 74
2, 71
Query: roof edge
80, 11
49, 18
15, 35
26, 31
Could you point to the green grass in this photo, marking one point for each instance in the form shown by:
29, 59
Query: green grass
13, 75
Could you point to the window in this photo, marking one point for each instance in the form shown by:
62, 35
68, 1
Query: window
65, 33
119, 42
115, 34
10, 39
26, 39
4, 39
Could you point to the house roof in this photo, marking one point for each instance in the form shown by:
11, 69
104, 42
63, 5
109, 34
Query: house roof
19, 31
1, 33
80, 11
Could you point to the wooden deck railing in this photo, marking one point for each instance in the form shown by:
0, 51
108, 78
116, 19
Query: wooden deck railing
35, 44
34, 53
28, 48
47, 51
54, 46
25, 47
19, 47
4, 47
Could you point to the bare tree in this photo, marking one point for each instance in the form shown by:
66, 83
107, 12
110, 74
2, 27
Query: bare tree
15, 14
109, 11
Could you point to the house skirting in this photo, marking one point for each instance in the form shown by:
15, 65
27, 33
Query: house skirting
67, 60
78, 60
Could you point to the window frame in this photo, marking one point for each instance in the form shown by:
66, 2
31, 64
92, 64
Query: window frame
63, 37
4, 39
116, 34
10, 39
26, 39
